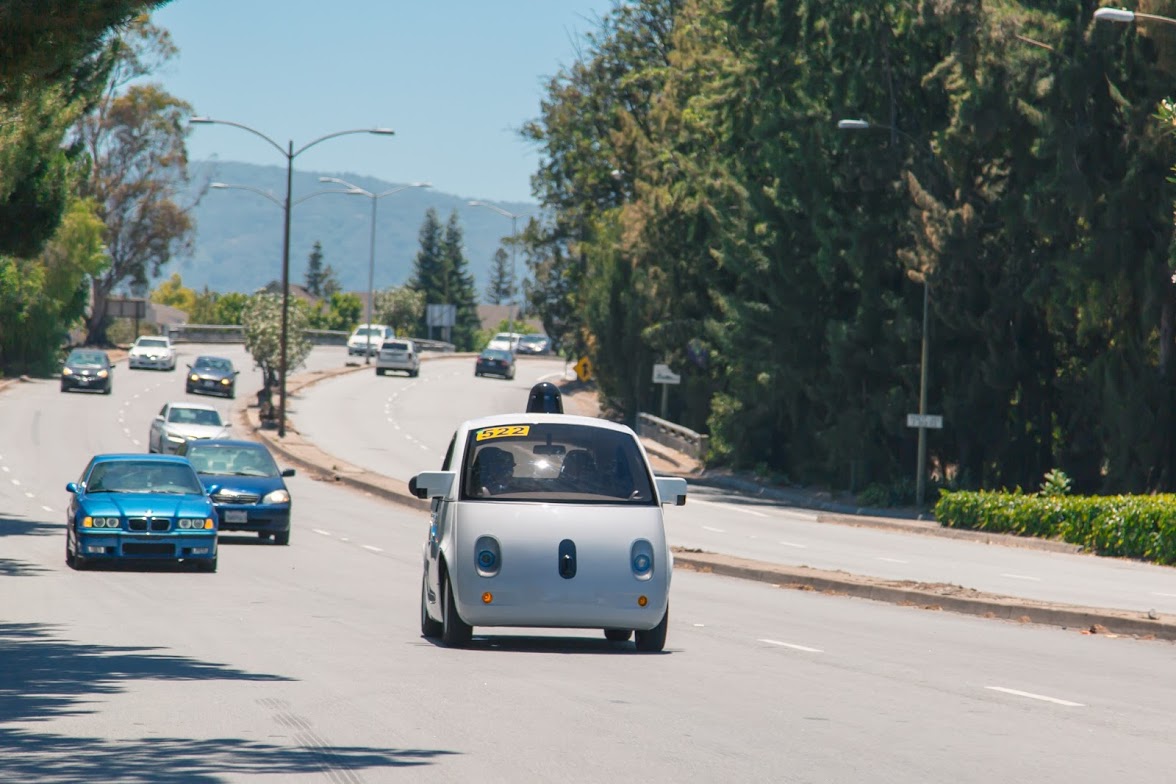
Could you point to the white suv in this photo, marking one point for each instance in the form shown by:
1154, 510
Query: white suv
367, 338
152, 351
400, 355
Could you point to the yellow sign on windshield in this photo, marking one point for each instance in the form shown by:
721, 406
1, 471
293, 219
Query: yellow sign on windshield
503, 432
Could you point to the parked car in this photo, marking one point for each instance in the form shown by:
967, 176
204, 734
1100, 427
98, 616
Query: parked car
152, 351
179, 422
212, 375
505, 341
87, 369
495, 362
546, 520
534, 344
246, 486
398, 354
367, 339
135, 506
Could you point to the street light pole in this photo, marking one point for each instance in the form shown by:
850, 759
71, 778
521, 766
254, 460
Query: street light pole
290, 154
514, 237
375, 197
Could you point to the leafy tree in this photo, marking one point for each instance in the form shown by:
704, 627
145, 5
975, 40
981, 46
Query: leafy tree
339, 312
401, 308
174, 293
137, 163
262, 323
502, 284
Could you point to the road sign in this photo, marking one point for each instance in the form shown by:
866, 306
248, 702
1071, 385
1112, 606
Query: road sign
663, 375
125, 307
583, 369
440, 315
932, 421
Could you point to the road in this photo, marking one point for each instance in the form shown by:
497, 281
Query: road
398, 426
305, 663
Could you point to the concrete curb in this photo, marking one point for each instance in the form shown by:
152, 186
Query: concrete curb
950, 598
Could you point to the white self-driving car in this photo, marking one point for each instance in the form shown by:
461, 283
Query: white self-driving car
547, 520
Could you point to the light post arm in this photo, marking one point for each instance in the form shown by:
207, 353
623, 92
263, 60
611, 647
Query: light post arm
514, 237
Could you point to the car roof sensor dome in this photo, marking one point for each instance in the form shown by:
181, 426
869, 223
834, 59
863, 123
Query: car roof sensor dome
545, 398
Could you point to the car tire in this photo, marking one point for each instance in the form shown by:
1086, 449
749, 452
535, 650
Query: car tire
64, 388
618, 635
429, 628
654, 640
282, 537
208, 565
232, 394
109, 388
379, 371
455, 632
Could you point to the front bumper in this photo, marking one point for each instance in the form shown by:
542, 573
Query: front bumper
259, 518
210, 387
76, 381
150, 363
115, 546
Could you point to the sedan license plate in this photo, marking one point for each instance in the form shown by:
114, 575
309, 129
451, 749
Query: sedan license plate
236, 516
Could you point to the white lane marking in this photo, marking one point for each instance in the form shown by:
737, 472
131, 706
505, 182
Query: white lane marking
794, 544
16, 482
344, 539
47, 508
804, 648
1033, 696
1169, 595
422, 446
700, 625
136, 442
321, 532
716, 530
6, 469
373, 548
28, 494
1021, 577
732, 507
892, 560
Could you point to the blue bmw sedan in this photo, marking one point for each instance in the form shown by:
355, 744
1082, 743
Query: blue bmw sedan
139, 507
246, 486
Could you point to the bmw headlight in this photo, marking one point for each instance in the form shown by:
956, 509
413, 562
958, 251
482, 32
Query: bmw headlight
176, 439
276, 497
225, 381
193, 377
102, 374
194, 523
66, 372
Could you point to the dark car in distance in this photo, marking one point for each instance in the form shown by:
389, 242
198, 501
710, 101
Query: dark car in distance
87, 369
495, 362
213, 376
246, 486
534, 344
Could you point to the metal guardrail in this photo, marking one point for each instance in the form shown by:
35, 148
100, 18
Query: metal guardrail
666, 433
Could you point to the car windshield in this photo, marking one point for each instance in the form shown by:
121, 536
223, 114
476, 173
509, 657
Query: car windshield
493, 353
194, 416
213, 363
555, 463
363, 332
532, 339
231, 460
151, 343
143, 476
86, 358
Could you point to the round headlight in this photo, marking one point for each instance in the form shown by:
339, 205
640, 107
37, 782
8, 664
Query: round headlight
487, 559
642, 563
193, 377
184, 524
276, 497
112, 522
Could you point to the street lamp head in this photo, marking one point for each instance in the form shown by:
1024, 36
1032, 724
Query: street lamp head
218, 185
422, 184
1114, 15
201, 120
476, 204
383, 131
853, 125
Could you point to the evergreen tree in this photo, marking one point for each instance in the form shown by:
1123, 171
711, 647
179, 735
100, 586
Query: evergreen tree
428, 276
501, 288
315, 276
460, 287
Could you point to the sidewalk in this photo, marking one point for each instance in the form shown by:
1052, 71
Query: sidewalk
930, 596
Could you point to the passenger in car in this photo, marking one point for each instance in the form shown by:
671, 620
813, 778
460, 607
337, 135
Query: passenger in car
492, 471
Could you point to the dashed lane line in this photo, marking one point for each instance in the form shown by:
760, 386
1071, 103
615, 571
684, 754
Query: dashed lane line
715, 530
892, 560
1021, 577
1032, 696
794, 544
793, 646
321, 532
373, 548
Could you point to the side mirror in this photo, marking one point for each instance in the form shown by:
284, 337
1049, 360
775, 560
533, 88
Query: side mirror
671, 489
72, 487
431, 484
287, 472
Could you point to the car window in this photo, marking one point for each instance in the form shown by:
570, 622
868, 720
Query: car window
555, 463
213, 363
86, 358
194, 416
151, 343
231, 460
398, 345
143, 476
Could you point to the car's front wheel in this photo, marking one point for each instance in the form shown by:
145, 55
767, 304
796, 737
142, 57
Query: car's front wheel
282, 537
429, 628
455, 632
654, 640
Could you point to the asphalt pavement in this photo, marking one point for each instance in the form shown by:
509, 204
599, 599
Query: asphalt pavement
299, 451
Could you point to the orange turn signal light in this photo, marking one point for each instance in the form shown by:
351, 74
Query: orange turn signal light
642, 601
487, 597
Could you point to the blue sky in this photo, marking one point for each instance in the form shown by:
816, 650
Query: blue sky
454, 78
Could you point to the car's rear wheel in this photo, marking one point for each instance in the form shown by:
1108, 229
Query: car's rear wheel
282, 537
429, 628
455, 632
618, 635
654, 640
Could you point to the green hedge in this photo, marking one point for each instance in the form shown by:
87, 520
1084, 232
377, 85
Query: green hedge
1131, 526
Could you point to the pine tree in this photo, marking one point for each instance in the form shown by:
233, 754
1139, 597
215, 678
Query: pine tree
315, 277
428, 276
502, 287
460, 287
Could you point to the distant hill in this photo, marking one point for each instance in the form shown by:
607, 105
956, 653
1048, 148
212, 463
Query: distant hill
238, 241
